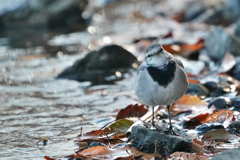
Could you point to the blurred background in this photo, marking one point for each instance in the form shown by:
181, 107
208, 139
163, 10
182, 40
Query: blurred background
67, 64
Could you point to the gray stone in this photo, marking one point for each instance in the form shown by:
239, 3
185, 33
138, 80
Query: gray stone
232, 154
234, 127
144, 140
27, 21
220, 42
197, 89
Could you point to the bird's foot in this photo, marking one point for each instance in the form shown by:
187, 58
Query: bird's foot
170, 129
152, 127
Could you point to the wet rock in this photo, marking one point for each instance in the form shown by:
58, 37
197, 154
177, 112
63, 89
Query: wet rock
144, 140
234, 127
97, 65
197, 89
95, 144
232, 154
220, 42
219, 85
194, 9
225, 102
237, 68
218, 89
221, 14
30, 23
208, 127
214, 88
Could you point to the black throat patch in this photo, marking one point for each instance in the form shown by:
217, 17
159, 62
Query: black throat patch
163, 75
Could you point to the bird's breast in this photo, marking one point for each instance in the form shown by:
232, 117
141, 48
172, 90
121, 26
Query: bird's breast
164, 74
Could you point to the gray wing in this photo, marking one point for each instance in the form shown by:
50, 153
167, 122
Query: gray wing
178, 62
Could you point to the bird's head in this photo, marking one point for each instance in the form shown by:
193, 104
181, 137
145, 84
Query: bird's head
156, 55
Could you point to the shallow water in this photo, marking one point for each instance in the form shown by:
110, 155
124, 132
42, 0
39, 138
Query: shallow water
33, 104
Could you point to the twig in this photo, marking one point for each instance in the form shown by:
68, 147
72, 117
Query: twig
109, 145
128, 152
155, 148
80, 132
165, 149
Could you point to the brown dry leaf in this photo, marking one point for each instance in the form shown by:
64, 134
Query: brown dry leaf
225, 116
204, 118
193, 81
47, 158
216, 117
90, 134
197, 120
137, 153
194, 47
169, 35
187, 102
186, 49
220, 134
198, 146
105, 152
101, 140
132, 111
183, 156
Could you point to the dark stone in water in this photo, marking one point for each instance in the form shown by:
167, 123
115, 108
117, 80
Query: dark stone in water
220, 103
97, 65
225, 102
234, 127
218, 43
193, 9
216, 89
222, 14
144, 140
197, 89
208, 127
32, 23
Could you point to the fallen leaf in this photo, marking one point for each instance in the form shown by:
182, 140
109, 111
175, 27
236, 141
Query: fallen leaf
90, 134
220, 134
137, 153
223, 116
47, 158
183, 156
132, 111
118, 127
184, 50
198, 146
193, 81
103, 152
194, 47
188, 102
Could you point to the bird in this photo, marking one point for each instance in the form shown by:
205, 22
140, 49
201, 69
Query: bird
160, 80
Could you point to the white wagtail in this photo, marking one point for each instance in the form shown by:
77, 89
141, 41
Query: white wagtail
160, 80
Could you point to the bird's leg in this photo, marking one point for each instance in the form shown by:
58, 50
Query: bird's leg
152, 125
170, 127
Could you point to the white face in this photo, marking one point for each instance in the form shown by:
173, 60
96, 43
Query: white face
156, 55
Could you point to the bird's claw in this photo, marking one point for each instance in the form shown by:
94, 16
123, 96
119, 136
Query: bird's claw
170, 129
